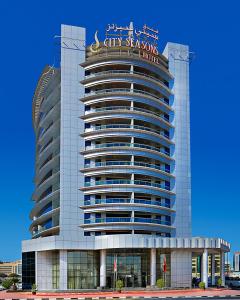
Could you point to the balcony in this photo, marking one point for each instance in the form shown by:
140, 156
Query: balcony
127, 108
52, 128
126, 201
129, 145
128, 126
126, 181
126, 72
131, 91
46, 231
127, 220
128, 163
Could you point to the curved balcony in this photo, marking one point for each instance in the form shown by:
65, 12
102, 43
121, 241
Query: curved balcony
46, 232
126, 220
127, 112
126, 204
128, 129
51, 176
51, 181
44, 217
126, 58
90, 203
126, 181
50, 164
52, 114
132, 77
144, 168
127, 147
50, 147
124, 72
128, 108
126, 223
128, 92
44, 201
119, 98
51, 99
51, 130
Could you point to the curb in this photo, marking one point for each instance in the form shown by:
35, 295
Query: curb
129, 298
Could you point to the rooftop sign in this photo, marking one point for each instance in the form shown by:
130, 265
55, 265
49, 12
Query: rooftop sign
118, 36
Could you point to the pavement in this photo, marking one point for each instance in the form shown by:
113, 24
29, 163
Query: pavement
101, 295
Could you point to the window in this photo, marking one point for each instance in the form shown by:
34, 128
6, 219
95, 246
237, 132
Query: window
87, 162
55, 270
47, 224
83, 269
167, 168
166, 116
87, 181
87, 143
167, 202
28, 270
87, 216
167, 185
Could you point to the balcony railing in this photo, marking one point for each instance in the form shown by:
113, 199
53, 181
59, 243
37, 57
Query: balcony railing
127, 126
124, 90
127, 108
127, 201
37, 232
131, 145
113, 72
127, 163
126, 181
126, 220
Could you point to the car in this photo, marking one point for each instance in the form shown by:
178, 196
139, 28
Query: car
232, 282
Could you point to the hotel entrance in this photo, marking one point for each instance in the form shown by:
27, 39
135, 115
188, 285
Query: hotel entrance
130, 266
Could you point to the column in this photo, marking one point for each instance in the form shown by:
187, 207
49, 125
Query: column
62, 270
222, 255
213, 269
103, 268
153, 267
205, 267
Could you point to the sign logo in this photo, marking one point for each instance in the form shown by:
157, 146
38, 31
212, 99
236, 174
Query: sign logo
95, 47
144, 40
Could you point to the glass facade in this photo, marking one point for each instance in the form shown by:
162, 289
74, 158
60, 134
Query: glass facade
83, 269
197, 265
55, 270
28, 270
133, 267
163, 266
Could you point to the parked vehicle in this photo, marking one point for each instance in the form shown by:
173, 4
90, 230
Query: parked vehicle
232, 282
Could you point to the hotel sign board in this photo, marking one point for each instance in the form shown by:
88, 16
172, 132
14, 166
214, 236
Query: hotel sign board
144, 40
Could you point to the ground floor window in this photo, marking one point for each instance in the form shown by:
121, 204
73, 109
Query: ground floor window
131, 266
28, 270
197, 267
55, 270
83, 269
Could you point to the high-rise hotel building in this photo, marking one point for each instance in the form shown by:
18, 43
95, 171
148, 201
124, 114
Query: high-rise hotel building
112, 196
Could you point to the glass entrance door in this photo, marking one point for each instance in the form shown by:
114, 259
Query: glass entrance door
132, 268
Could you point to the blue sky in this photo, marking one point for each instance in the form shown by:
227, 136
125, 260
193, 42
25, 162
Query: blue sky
211, 28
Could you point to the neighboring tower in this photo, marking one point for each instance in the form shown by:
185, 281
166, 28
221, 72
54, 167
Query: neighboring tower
236, 261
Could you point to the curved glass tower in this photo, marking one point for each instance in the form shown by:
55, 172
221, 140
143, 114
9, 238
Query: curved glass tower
112, 196
46, 122
128, 155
